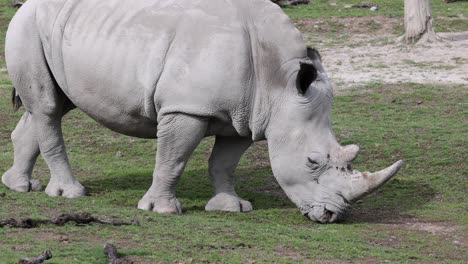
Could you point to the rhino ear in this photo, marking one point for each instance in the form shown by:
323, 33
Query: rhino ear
306, 75
313, 54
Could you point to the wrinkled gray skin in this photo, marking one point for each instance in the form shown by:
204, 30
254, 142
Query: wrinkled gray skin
181, 70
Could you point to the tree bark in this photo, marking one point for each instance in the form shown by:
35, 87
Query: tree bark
419, 22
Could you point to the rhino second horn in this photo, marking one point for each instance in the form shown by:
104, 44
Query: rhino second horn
369, 182
349, 152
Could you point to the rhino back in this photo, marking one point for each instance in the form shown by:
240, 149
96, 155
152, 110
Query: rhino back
131, 62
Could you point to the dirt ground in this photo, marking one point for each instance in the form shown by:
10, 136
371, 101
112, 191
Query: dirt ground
365, 49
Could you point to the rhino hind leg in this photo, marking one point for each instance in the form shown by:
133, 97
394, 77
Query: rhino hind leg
48, 126
43, 99
26, 151
178, 136
222, 164
36, 133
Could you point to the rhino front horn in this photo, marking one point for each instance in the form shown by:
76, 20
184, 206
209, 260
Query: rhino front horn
368, 182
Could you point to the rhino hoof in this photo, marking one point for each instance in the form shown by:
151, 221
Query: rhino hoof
160, 205
20, 183
229, 203
73, 190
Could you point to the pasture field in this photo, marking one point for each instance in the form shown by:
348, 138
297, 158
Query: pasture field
420, 216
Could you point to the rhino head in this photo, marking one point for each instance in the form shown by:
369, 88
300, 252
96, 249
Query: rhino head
312, 168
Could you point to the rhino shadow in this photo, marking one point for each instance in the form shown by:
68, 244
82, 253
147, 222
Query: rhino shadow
390, 204
256, 185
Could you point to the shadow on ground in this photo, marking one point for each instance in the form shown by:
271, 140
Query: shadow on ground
390, 204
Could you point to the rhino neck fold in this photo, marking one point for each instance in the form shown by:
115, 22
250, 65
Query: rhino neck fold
269, 88
276, 46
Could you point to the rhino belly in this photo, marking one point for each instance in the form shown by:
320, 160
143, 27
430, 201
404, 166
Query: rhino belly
110, 86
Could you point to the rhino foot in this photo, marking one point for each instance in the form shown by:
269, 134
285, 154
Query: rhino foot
160, 205
69, 190
229, 203
20, 182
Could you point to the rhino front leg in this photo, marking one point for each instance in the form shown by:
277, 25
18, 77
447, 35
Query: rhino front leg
26, 151
223, 162
178, 136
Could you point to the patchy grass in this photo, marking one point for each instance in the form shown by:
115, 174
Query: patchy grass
421, 124
337, 23
325, 8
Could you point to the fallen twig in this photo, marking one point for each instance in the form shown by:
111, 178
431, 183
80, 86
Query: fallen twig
365, 5
284, 3
39, 259
23, 223
16, 3
61, 219
111, 253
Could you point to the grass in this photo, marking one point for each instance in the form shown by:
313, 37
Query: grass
415, 218
421, 124
322, 8
447, 17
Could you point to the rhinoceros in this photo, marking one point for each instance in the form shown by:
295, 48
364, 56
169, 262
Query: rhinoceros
179, 71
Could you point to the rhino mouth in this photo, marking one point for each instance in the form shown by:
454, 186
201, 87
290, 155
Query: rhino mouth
323, 213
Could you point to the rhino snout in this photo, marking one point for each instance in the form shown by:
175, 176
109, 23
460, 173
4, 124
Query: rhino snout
323, 214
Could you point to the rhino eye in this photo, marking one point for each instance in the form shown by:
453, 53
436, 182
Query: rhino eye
312, 164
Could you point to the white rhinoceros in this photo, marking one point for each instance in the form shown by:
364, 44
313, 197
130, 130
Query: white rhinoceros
179, 71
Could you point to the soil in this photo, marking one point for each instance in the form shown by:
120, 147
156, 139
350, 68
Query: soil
361, 50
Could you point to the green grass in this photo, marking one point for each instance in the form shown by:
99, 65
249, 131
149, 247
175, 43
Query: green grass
322, 8
447, 17
421, 124
425, 125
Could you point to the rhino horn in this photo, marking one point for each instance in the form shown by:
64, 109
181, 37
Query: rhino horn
349, 152
367, 182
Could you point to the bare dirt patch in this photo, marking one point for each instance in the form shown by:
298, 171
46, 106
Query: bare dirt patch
360, 50
47, 235
289, 253
405, 231
376, 25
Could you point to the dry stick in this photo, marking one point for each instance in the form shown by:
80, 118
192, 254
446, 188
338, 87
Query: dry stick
111, 253
365, 5
43, 257
23, 223
61, 219
16, 3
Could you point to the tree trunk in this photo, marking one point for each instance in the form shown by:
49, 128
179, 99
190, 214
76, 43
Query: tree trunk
418, 22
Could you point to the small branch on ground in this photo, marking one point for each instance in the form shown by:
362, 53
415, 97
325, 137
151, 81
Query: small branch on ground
23, 223
39, 259
111, 253
284, 3
61, 219
86, 218
16, 3
365, 5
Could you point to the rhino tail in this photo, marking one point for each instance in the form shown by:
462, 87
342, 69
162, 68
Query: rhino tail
16, 100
